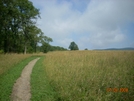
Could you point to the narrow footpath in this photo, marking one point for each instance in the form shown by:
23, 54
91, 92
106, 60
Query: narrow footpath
21, 89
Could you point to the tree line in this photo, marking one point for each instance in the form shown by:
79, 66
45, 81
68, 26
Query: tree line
18, 30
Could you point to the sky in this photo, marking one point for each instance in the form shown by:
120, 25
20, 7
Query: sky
91, 24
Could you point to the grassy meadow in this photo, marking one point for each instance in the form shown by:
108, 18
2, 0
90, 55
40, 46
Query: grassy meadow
72, 75
91, 75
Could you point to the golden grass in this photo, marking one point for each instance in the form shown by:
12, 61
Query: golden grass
86, 75
7, 61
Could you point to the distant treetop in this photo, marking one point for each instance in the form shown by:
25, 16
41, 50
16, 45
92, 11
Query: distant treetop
73, 46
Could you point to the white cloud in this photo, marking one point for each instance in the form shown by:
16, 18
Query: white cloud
105, 39
101, 19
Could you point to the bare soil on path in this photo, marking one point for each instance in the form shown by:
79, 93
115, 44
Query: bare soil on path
21, 89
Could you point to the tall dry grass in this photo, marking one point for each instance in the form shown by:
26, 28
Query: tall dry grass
7, 61
86, 75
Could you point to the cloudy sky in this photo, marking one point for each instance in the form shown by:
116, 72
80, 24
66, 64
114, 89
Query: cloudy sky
92, 24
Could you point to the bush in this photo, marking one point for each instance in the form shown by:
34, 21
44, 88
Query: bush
1, 51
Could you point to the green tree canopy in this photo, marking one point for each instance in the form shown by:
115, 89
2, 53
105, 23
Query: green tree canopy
73, 46
18, 30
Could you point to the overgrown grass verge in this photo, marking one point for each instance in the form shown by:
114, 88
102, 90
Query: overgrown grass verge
40, 88
91, 75
8, 79
7, 61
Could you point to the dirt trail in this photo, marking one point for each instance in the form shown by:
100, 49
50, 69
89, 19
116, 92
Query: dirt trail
21, 89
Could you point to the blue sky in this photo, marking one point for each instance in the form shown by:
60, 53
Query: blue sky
92, 24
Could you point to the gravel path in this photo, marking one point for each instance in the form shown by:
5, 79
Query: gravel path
21, 89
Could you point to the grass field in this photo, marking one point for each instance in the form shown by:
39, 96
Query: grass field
91, 75
73, 75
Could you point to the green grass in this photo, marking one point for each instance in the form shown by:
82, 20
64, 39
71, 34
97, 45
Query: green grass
86, 75
8, 78
7, 61
40, 87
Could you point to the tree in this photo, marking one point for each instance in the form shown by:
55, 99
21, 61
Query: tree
57, 48
73, 46
18, 30
45, 43
45, 47
29, 15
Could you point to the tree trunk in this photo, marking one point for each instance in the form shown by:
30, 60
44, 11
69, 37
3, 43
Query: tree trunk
5, 42
35, 48
5, 46
25, 49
